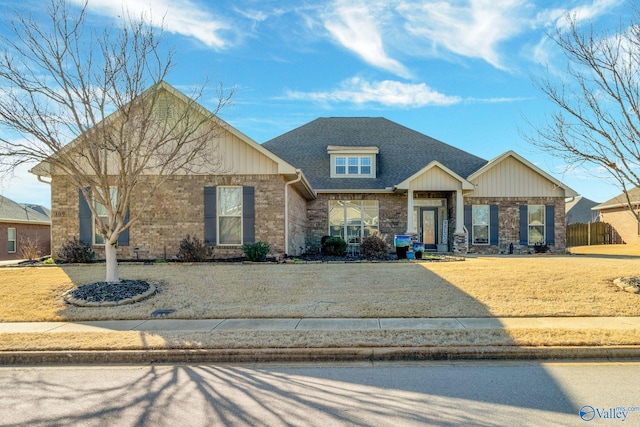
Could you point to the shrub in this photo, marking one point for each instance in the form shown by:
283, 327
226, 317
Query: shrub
374, 247
192, 250
256, 251
75, 251
30, 248
334, 246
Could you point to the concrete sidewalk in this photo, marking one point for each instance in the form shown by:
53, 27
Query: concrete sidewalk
322, 354
325, 324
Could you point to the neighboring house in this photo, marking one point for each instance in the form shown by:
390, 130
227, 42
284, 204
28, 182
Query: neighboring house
22, 225
616, 212
579, 211
349, 177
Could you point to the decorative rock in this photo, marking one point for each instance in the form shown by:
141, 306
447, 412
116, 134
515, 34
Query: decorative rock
102, 294
628, 284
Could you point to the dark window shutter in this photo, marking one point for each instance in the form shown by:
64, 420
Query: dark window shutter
467, 221
123, 238
493, 224
549, 225
210, 197
248, 215
85, 217
524, 225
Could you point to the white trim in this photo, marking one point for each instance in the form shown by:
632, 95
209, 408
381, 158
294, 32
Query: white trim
340, 149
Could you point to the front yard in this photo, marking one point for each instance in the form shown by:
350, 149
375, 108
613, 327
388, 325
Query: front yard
477, 287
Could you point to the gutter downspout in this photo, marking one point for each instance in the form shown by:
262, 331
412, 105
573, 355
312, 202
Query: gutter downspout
42, 180
286, 209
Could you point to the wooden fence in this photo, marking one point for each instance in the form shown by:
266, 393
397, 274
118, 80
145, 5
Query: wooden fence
594, 233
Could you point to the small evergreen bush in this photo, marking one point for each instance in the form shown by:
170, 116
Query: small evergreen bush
374, 247
192, 250
75, 251
334, 246
256, 251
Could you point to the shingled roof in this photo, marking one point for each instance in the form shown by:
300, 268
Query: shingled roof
11, 211
402, 151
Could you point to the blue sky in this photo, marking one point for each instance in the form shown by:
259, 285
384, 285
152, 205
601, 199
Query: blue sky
459, 71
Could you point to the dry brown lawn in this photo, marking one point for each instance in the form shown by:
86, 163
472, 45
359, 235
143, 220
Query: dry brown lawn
483, 286
476, 287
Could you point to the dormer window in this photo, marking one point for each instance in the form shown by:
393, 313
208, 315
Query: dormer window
352, 162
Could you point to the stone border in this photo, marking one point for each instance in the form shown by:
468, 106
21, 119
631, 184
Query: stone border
136, 298
623, 283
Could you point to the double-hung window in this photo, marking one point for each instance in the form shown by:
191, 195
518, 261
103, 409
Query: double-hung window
11, 237
536, 224
229, 215
353, 219
102, 215
480, 224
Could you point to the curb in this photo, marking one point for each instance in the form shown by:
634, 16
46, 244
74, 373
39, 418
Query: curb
262, 355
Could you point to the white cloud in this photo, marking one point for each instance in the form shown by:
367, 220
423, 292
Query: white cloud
356, 28
387, 93
24, 187
182, 17
582, 13
472, 29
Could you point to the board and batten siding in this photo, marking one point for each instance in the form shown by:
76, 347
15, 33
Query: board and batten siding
238, 157
435, 179
512, 178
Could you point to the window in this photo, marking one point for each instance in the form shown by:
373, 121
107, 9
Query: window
353, 166
480, 224
353, 219
11, 237
536, 224
103, 215
229, 215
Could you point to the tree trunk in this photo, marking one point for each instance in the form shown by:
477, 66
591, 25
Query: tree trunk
112, 263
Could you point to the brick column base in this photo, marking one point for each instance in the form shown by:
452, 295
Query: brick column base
460, 243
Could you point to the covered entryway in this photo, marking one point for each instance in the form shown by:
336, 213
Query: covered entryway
431, 193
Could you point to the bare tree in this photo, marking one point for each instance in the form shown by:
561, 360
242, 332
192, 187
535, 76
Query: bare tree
597, 117
92, 105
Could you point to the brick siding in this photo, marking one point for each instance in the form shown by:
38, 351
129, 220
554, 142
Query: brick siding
177, 211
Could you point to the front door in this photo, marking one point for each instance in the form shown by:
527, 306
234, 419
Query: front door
429, 227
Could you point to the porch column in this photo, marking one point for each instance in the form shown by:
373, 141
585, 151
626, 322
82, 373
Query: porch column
460, 238
459, 212
410, 229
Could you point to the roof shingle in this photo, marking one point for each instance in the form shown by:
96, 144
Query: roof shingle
403, 151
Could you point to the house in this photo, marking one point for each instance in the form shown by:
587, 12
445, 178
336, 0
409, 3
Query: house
579, 210
374, 175
349, 177
616, 212
23, 227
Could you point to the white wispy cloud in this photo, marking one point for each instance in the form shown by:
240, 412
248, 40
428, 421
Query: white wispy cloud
473, 29
182, 17
557, 17
356, 27
387, 92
